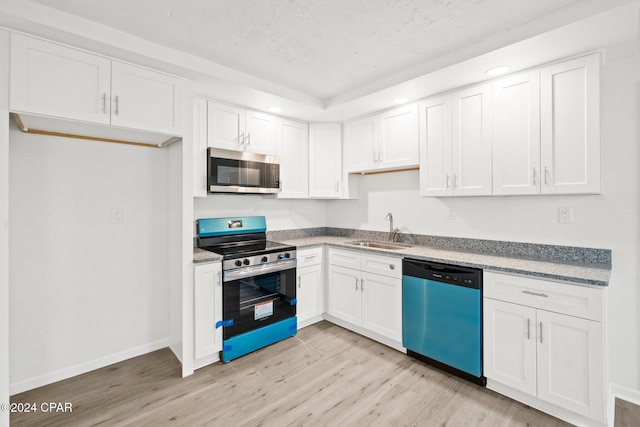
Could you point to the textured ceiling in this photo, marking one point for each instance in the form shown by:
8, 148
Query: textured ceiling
326, 48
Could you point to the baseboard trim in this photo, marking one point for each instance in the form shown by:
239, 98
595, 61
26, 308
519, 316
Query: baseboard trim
81, 368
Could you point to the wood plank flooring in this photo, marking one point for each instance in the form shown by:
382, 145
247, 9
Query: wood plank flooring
324, 376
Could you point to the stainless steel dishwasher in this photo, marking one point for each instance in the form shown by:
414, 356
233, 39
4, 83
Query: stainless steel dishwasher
442, 316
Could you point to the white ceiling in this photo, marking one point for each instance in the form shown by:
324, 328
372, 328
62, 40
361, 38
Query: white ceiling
323, 54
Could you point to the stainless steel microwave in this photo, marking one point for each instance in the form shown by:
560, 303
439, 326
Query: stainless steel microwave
231, 171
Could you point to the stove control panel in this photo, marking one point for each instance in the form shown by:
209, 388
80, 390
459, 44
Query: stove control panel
256, 260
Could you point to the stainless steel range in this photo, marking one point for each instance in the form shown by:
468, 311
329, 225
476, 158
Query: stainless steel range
259, 283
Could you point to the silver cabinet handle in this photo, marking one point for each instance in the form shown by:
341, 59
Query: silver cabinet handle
528, 329
540, 332
310, 257
448, 180
248, 138
298, 281
356, 283
537, 294
375, 156
117, 104
337, 186
379, 155
546, 175
241, 139
104, 103
455, 180
534, 176
361, 285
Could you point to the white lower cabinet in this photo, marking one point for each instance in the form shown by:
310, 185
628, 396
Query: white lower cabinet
310, 286
207, 296
536, 348
365, 293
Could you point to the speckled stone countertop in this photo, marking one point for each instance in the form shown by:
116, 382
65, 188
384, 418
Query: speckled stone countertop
585, 266
570, 272
201, 256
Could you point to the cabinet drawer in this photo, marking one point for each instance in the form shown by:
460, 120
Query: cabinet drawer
349, 259
384, 265
311, 256
559, 297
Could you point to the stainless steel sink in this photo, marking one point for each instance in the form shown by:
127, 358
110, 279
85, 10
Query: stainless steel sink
378, 245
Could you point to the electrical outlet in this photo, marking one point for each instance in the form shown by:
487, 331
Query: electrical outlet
117, 216
452, 214
565, 215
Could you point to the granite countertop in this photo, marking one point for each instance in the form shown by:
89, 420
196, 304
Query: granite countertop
570, 272
549, 264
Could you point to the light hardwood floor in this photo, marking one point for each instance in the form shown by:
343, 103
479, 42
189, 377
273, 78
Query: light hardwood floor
324, 376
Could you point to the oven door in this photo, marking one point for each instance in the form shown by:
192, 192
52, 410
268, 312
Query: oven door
240, 172
258, 296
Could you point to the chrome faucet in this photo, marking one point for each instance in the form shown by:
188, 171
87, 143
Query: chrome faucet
393, 232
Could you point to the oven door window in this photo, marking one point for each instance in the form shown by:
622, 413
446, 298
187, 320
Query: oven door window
253, 302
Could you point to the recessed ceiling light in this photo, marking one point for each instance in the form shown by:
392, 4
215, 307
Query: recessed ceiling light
275, 109
400, 100
498, 70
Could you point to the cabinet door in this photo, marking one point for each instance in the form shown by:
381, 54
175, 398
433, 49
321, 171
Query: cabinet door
343, 294
199, 147
570, 126
361, 142
516, 134
207, 309
325, 160
146, 100
226, 125
435, 146
399, 144
54, 80
570, 363
309, 293
510, 344
261, 133
294, 159
382, 305
471, 141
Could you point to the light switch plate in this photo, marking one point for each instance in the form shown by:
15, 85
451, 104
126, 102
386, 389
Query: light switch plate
565, 215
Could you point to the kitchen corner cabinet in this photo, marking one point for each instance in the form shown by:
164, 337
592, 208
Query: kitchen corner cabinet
293, 149
546, 130
207, 297
455, 143
546, 340
365, 291
53, 80
385, 141
235, 128
325, 160
310, 286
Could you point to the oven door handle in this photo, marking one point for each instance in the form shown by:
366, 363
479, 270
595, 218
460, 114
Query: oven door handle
241, 273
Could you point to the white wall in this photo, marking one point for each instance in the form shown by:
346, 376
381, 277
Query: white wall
609, 221
281, 214
85, 292
4, 226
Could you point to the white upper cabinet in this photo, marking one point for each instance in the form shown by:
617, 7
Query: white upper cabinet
361, 142
399, 142
516, 134
325, 160
293, 140
57, 81
144, 99
385, 141
455, 143
547, 130
570, 126
234, 128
